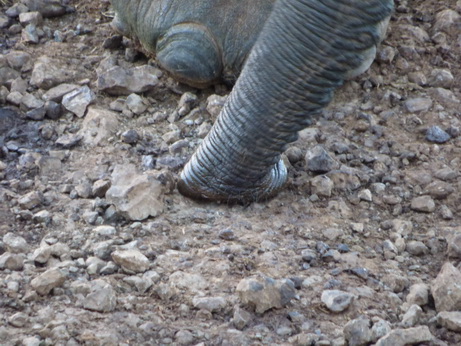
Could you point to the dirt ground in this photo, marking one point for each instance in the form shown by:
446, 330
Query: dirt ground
368, 234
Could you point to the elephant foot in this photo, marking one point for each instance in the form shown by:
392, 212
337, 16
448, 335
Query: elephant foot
119, 26
189, 52
202, 187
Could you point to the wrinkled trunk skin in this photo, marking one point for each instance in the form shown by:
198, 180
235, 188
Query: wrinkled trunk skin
305, 51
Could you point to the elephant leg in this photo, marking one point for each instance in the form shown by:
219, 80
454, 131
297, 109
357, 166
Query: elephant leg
189, 52
305, 51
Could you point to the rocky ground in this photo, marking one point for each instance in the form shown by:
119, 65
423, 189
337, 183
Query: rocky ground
97, 247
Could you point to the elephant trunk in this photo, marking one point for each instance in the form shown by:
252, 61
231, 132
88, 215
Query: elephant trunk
305, 51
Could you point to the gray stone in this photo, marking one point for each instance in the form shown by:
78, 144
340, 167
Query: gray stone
404, 337
423, 204
446, 174
365, 195
336, 300
419, 104
94, 265
241, 318
98, 126
19, 85
214, 105
212, 304
446, 289
130, 136
57, 93
14, 97
439, 189
31, 341
320, 161
412, 317
135, 103
18, 320
78, 100
16, 9
136, 196
184, 337
265, 293
42, 254
30, 200
15, 243
48, 280
447, 21
102, 297
47, 8
100, 188
53, 110
226, 234
4, 21
68, 141
7, 75
34, 18
419, 294
19, 60
441, 78
402, 227
30, 101
11, 261
436, 135
119, 81
131, 260
187, 101
454, 245
321, 185
417, 248
188, 281
445, 97
379, 329
36, 114
450, 320
30, 34
47, 73
103, 249
357, 332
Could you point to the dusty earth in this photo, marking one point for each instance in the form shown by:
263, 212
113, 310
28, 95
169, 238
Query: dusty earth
372, 227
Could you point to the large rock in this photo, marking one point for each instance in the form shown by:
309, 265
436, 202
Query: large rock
78, 100
446, 289
99, 124
450, 320
102, 297
337, 300
136, 196
120, 81
48, 73
265, 293
50, 279
403, 337
131, 260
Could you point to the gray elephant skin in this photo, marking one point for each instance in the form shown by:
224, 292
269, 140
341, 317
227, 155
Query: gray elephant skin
200, 42
303, 53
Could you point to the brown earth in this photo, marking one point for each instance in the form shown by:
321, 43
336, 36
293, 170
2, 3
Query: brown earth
369, 129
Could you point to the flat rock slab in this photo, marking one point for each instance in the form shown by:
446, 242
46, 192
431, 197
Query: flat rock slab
119, 81
403, 337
